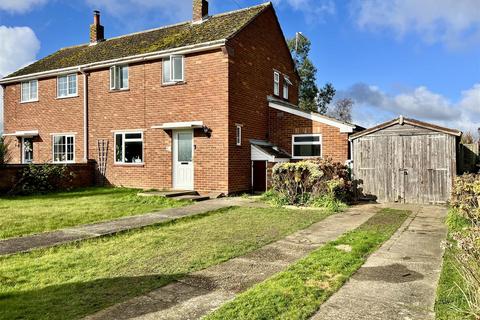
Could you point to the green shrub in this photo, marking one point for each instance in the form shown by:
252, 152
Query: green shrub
274, 198
43, 178
301, 183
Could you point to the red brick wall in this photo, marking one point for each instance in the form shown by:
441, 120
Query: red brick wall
49, 115
84, 175
203, 97
283, 125
256, 52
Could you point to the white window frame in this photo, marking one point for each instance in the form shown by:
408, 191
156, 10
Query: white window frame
238, 134
286, 84
24, 161
30, 99
319, 142
172, 71
66, 150
115, 71
276, 83
68, 95
124, 133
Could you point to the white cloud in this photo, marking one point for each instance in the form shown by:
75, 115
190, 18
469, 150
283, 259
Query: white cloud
20, 6
19, 47
373, 106
452, 22
314, 10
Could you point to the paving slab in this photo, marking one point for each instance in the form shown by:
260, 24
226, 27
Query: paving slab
398, 282
83, 232
201, 292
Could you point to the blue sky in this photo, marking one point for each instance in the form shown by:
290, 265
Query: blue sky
410, 57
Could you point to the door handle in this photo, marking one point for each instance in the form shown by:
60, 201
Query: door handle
183, 163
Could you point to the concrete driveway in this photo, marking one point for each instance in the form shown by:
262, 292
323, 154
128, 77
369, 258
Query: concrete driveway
399, 280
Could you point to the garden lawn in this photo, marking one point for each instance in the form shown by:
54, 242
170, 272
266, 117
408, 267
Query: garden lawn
25, 215
75, 280
451, 303
298, 292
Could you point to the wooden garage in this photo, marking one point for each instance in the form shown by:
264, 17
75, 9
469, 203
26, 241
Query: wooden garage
405, 160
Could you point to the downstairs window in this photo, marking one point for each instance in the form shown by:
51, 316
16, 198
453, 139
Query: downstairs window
306, 146
129, 147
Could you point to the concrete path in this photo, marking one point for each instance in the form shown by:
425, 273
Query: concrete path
398, 282
199, 293
54, 238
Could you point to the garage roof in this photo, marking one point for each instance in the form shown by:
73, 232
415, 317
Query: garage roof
401, 121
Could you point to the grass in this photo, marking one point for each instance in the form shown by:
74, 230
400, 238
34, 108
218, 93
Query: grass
72, 281
298, 292
25, 215
450, 302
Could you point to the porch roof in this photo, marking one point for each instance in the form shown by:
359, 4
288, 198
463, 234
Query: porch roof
30, 133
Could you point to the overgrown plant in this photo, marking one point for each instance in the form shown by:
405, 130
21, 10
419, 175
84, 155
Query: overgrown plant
311, 182
465, 200
43, 178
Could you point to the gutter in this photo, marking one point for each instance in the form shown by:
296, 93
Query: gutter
206, 46
85, 114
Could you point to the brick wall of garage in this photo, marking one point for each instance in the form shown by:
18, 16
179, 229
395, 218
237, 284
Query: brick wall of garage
283, 125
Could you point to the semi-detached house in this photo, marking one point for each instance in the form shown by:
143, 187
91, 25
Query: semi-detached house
207, 105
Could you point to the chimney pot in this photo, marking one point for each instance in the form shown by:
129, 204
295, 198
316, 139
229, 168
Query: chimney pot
96, 29
200, 10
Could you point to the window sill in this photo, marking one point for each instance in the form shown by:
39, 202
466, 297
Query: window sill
63, 162
29, 101
129, 164
66, 97
170, 84
119, 90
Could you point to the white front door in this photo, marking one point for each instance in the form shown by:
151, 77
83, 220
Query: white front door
183, 160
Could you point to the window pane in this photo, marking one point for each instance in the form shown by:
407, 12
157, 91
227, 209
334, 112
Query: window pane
70, 149
166, 70
118, 147
133, 152
307, 150
62, 86
59, 148
178, 68
133, 136
307, 139
27, 150
285, 91
124, 83
25, 91
185, 147
112, 78
72, 84
33, 90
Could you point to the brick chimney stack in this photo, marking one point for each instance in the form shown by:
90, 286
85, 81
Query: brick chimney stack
200, 10
96, 29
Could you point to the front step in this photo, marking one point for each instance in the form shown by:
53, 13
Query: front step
176, 194
196, 198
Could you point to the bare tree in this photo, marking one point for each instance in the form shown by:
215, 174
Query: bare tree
468, 138
342, 110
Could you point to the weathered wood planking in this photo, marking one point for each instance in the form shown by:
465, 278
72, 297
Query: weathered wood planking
405, 163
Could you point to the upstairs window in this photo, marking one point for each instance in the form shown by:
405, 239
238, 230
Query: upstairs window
173, 69
118, 77
276, 83
306, 146
63, 148
67, 86
238, 134
29, 91
286, 84
129, 147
